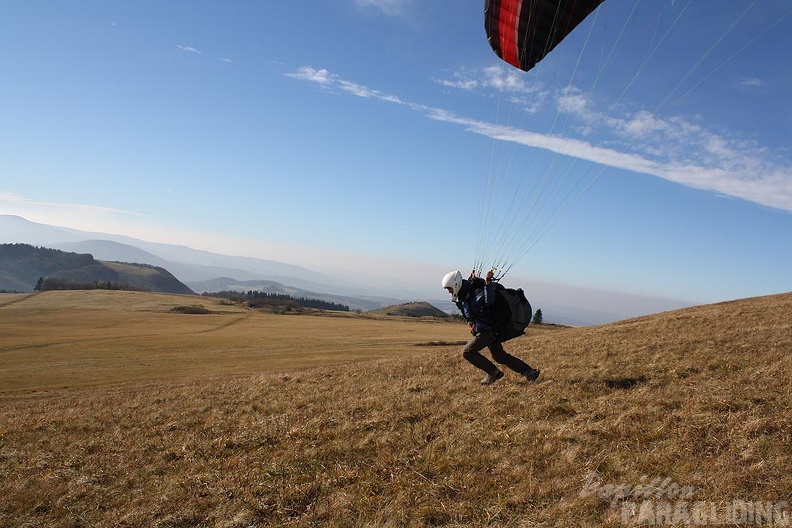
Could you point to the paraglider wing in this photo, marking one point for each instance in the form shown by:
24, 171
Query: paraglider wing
522, 32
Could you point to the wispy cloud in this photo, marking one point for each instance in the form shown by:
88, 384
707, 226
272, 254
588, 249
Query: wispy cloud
529, 96
493, 77
752, 82
668, 147
120, 222
191, 49
388, 7
77, 216
329, 80
319, 76
188, 49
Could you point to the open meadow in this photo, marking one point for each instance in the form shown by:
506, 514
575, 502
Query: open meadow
115, 411
66, 339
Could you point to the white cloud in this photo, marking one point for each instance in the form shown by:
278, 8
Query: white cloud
671, 148
225, 59
528, 96
333, 82
506, 80
497, 78
573, 101
306, 73
388, 7
358, 90
460, 84
188, 49
752, 82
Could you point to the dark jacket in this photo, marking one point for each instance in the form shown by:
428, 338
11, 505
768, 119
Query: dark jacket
475, 303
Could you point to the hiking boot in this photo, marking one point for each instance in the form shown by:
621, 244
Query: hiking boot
492, 378
531, 374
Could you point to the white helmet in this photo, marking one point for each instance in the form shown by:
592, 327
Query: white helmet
453, 280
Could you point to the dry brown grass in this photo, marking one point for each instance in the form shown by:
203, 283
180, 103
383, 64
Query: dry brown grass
700, 397
63, 339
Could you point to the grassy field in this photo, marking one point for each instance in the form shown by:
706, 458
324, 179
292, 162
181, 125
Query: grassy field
66, 339
677, 419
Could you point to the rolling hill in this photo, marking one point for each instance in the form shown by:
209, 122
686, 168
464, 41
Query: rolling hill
22, 265
412, 309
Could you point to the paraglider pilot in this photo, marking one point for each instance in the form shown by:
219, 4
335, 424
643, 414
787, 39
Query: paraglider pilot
475, 304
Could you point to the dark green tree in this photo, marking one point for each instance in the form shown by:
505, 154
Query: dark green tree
39, 284
537, 318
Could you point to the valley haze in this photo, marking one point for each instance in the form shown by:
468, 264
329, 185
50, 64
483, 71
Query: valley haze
201, 269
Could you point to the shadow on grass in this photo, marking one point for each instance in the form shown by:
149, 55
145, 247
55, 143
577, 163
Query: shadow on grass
624, 383
442, 343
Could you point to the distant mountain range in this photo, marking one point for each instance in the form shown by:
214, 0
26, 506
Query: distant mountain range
201, 271
186, 263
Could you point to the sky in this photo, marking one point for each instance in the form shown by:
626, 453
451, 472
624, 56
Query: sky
648, 154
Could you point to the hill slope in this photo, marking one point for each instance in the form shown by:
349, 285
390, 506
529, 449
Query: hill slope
679, 418
412, 309
21, 266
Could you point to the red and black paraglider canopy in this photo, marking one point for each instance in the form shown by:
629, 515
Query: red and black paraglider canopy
522, 32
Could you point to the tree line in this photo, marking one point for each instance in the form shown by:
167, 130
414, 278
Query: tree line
256, 299
51, 283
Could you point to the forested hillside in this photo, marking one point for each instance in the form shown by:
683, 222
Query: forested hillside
23, 267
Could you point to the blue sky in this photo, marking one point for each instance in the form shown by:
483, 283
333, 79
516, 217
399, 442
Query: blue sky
368, 136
